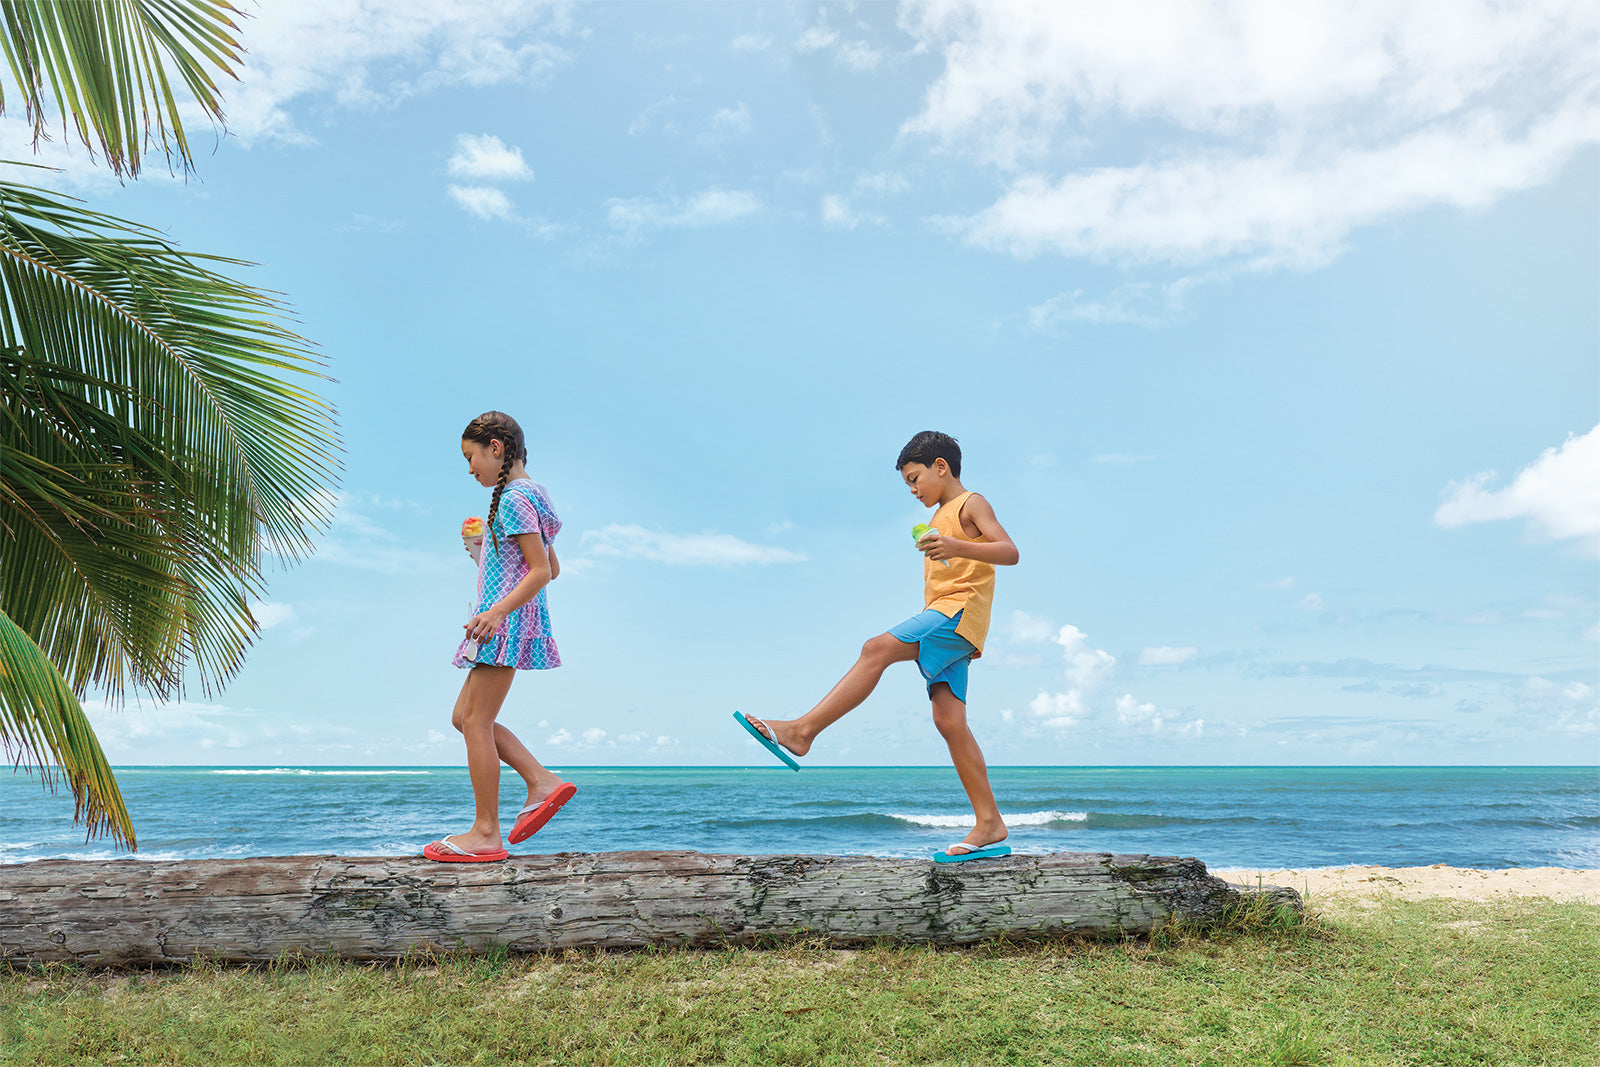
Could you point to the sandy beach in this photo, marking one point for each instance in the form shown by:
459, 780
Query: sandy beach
1414, 883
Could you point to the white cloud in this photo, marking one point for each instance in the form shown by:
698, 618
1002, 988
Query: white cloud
484, 157
357, 540
1166, 655
150, 731
1086, 672
1132, 303
858, 56
732, 121
73, 166
483, 202
1058, 710
1130, 712
836, 213
684, 550
373, 53
1558, 493
1572, 709
710, 208
884, 183
750, 42
1086, 667
1030, 629
1275, 130
593, 736
646, 119
269, 615
816, 38
560, 737
1312, 602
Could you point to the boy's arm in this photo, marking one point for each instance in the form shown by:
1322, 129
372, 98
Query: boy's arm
996, 548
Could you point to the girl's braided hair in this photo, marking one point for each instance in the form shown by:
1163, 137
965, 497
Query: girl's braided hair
498, 426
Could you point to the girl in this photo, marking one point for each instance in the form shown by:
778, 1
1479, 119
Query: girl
510, 632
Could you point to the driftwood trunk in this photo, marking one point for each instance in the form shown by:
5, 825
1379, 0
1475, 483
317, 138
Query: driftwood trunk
130, 912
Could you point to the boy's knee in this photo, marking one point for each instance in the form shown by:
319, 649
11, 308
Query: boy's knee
949, 714
883, 649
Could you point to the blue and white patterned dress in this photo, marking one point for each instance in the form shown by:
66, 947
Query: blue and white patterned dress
523, 640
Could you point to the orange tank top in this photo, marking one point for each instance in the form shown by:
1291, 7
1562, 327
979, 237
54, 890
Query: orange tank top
967, 585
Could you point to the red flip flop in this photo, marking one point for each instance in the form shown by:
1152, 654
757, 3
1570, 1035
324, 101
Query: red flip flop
531, 819
454, 853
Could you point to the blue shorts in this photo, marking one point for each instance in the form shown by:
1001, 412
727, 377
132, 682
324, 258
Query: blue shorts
942, 654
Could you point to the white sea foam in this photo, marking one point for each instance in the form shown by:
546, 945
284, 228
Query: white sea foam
1026, 818
303, 771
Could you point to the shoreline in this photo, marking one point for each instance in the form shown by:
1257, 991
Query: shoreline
1480, 885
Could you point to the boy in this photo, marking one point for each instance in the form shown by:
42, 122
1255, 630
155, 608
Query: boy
962, 549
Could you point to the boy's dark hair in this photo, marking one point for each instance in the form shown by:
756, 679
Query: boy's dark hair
928, 446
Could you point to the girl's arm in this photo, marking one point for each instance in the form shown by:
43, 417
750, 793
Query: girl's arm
555, 564
483, 625
997, 548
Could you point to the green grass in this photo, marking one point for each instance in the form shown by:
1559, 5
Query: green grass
1433, 982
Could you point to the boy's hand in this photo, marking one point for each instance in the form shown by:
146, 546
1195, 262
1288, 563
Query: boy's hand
936, 545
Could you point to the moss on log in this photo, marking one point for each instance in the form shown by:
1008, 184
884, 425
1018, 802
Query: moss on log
136, 913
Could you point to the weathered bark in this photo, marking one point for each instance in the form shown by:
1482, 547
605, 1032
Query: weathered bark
130, 912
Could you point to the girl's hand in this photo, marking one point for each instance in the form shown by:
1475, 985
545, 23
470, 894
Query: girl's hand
483, 625
936, 545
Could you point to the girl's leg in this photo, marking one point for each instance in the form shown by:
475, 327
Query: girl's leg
541, 781
858, 683
481, 696
950, 716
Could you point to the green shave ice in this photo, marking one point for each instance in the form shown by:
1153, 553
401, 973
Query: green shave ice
921, 530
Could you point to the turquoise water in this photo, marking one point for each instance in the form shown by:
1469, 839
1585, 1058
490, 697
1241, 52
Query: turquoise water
1226, 816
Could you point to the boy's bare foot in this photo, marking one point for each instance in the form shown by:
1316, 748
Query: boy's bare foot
783, 731
984, 836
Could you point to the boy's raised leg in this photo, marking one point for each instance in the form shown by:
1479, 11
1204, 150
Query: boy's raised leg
950, 716
847, 694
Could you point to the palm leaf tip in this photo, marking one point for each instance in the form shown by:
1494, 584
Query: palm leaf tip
43, 727
109, 68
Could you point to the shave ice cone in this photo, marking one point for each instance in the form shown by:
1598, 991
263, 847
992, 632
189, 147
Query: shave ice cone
921, 530
472, 537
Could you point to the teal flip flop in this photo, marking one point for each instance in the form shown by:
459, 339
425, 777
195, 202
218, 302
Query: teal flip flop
766, 742
988, 852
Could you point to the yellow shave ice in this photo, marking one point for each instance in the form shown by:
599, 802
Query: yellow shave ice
472, 537
921, 530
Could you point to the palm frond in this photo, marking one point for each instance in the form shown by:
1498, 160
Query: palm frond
105, 65
42, 723
156, 436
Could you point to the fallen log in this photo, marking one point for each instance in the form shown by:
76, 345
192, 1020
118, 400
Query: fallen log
135, 913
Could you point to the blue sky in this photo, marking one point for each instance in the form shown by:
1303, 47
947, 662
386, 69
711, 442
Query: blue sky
1270, 336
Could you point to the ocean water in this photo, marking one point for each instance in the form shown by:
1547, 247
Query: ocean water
1226, 816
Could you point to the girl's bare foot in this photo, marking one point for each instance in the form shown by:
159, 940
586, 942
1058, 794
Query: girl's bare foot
540, 788
475, 841
784, 731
